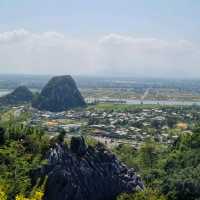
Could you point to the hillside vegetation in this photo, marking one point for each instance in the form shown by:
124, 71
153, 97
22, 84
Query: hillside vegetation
173, 172
169, 172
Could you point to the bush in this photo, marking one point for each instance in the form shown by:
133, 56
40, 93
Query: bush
147, 194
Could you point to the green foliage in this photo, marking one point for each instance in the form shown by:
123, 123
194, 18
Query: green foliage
147, 194
183, 184
149, 154
128, 155
90, 141
22, 151
3, 191
183, 169
174, 171
169, 172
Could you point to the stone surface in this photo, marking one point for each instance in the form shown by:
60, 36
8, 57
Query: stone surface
59, 94
81, 172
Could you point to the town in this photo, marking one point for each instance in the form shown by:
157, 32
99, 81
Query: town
114, 124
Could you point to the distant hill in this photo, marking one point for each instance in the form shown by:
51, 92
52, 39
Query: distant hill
20, 95
59, 94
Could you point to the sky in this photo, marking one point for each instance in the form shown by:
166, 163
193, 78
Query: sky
139, 38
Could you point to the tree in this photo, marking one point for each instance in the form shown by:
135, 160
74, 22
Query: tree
3, 195
148, 153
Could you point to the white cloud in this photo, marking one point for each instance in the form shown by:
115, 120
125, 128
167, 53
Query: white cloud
148, 56
23, 51
13, 36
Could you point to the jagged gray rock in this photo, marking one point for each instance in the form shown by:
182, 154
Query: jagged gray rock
86, 173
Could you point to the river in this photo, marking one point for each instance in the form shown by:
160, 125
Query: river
146, 102
129, 101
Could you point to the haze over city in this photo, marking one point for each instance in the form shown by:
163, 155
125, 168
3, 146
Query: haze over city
112, 38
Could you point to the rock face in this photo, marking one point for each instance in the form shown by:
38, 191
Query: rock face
20, 95
81, 172
59, 94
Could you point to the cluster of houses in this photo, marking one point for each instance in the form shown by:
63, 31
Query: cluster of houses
135, 125
132, 126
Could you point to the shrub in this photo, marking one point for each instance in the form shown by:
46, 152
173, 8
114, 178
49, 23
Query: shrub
147, 194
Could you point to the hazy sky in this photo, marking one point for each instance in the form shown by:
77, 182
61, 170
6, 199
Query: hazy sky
155, 38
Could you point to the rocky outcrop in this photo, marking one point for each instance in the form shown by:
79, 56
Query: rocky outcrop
82, 172
19, 96
59, 94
